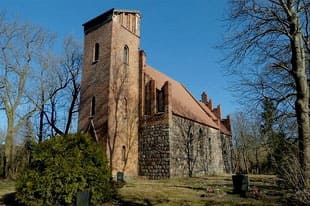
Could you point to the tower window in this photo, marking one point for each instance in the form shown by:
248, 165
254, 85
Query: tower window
96, 53
134, 23
123, 153
127, 21
93, 106
126, 55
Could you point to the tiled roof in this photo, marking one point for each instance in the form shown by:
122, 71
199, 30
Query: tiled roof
208, 111
224, 130
183, 103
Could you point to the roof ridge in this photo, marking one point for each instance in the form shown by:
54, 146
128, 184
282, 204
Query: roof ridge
203, 107
196, 101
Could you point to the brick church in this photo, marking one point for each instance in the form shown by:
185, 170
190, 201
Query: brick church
150, 124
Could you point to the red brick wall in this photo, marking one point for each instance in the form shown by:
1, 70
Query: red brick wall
95, 79
102, 78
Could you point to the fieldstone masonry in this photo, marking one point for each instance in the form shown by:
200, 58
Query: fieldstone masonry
154, 151
207, 157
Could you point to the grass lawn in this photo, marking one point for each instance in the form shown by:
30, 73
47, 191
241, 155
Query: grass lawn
211, 190
7, 188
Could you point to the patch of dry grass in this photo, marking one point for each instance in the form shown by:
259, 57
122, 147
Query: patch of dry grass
6, 186
211, 190
7, 192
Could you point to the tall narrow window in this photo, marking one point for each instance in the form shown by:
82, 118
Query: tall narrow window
96, 52
126, 55
147, 99
93, 106
123, 153
160, 101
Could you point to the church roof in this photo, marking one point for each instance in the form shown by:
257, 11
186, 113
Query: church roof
224, 130
183, 102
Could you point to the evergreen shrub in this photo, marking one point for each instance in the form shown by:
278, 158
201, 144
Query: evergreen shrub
63, 166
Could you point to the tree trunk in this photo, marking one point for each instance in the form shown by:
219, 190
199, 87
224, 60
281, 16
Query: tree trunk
302, 99
9, 143
257, 161
40, 136
245, 161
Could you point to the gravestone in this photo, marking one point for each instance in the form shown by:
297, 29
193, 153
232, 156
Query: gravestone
120, 177
82, 198
240, 184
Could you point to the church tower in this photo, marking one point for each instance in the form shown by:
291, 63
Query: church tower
110, 86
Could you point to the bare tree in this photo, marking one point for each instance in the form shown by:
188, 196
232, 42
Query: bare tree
249, 144
241, 142
285, 160
21, 45
47, 79
274, 34
60, 89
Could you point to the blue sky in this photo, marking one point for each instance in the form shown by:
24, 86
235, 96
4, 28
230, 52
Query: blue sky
178, 36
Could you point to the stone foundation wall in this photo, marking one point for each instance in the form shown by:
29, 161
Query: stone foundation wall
154, 151
202, 153
216, 165
227, 152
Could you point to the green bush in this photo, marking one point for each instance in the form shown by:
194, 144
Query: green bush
63, 166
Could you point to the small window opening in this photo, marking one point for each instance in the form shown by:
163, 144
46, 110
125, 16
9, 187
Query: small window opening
123, 153
126, 55
147, 101
134, 23
93, 106
96, 53
127, 21
160, 101
200, 132
121, 19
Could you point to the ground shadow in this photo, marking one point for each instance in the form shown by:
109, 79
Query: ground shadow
9, 199
120, 202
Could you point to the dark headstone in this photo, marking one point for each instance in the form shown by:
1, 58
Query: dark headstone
82, 198
244, 186
120, 177
240, 184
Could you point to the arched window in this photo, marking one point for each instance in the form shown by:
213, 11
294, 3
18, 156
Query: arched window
126, 55
96, 53
123, 153
93, 107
